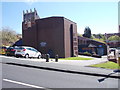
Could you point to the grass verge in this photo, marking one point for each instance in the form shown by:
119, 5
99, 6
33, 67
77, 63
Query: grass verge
75, 58
107, 65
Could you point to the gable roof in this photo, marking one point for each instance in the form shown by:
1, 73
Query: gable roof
92, 45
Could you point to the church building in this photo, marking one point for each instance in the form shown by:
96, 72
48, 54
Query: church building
51, 35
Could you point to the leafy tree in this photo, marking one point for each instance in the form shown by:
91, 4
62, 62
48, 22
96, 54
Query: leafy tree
8, 36
99, 37
115, 37
103, 37
87, 32
92, 37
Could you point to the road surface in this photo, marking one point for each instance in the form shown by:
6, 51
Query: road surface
24, 77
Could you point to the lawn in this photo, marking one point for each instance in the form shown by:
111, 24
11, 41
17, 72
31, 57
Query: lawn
75, 58
107, 65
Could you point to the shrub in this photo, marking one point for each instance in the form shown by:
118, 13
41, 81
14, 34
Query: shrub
87, 53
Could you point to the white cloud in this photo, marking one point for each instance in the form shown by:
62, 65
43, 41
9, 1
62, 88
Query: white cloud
30, 2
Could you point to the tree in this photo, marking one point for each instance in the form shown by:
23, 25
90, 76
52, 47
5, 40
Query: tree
103, 37
99, 36
87, 32
8, 36
114, 38
78, 34
92, 37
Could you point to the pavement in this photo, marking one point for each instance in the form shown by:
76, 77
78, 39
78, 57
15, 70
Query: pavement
83, 62
69, 66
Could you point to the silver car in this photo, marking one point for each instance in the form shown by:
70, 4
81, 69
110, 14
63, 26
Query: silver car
27, 52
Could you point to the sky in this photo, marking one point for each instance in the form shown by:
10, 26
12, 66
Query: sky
100, 17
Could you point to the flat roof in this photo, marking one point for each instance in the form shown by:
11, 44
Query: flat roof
57, 17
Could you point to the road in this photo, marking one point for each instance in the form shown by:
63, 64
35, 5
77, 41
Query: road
0, 75
24, 77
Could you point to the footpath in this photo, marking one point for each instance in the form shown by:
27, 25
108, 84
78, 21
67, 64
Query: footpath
68, 66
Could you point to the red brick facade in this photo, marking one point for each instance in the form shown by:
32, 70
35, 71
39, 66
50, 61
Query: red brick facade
53, 35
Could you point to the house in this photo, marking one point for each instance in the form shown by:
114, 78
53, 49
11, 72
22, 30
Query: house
91, 46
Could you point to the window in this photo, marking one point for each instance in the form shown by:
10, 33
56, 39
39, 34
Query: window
73, 34
28, 48
33, 49
75, 39
75, 43
75, 48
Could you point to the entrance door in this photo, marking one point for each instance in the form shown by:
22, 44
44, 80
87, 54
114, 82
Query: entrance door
100, 51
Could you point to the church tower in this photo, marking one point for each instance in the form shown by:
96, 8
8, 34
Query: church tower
29, 18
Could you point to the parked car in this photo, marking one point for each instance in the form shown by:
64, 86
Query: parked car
11, 51
3, 50
27, 52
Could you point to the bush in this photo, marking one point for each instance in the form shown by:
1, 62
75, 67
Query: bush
87, 53
115, 37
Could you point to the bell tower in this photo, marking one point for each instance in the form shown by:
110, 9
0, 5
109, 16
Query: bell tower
29, 18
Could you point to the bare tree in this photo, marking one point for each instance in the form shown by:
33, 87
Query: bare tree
8, 36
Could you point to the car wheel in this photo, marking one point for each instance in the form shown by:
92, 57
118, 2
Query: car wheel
17, 56
26, 56
39, 56
7, 54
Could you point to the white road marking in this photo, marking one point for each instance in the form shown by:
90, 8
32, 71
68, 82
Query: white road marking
21, 83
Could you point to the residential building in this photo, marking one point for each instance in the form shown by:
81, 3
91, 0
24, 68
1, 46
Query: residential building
90, 46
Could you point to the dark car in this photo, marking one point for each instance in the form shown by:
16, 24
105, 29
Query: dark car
11, 51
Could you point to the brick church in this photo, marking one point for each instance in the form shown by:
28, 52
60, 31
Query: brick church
52, 35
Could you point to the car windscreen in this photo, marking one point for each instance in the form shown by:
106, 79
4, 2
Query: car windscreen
10, 48
20, 48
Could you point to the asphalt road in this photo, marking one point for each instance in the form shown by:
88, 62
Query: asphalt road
0, 75
24, 77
